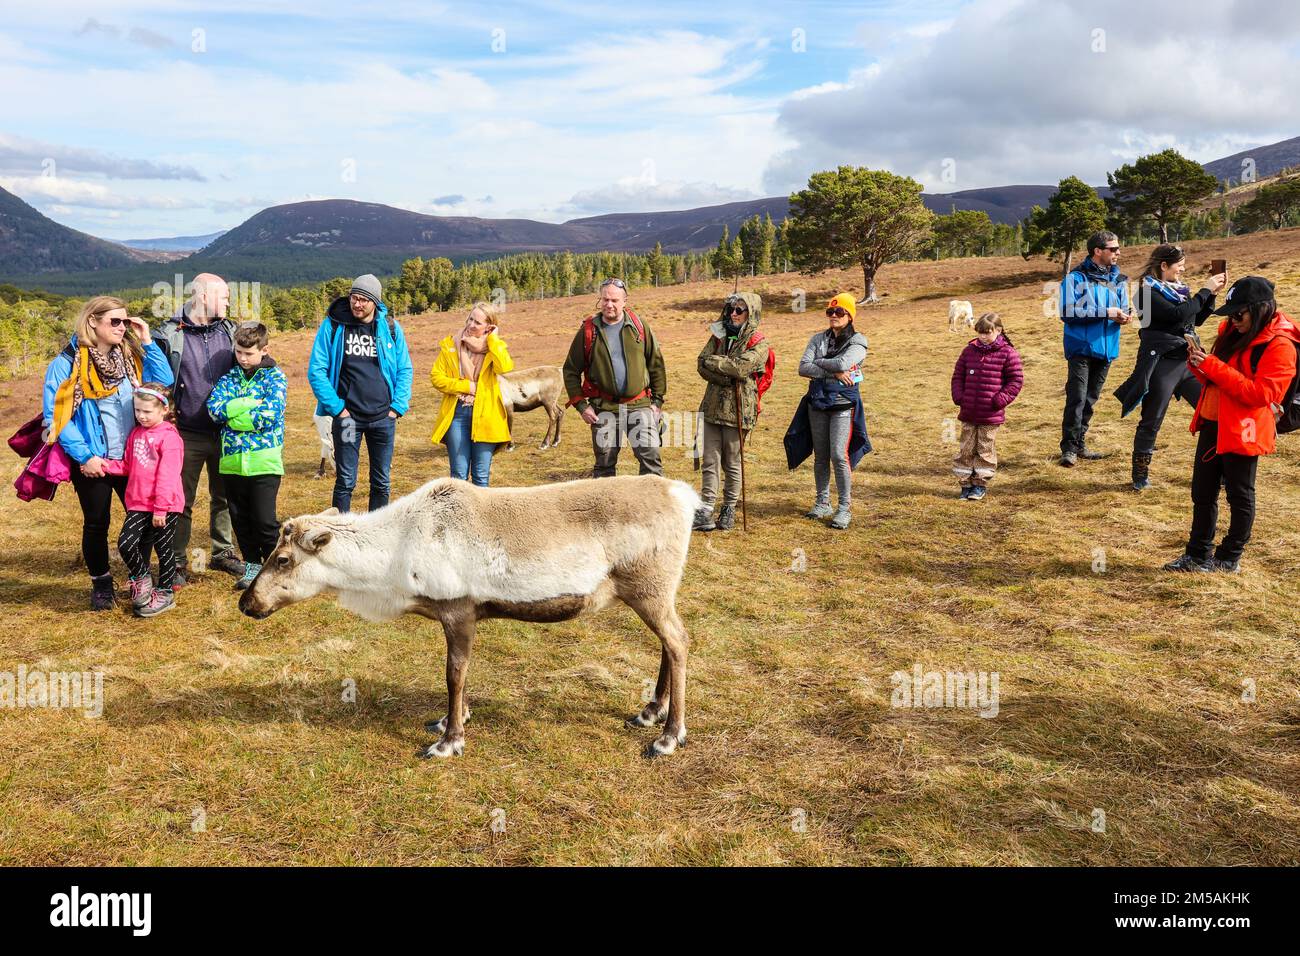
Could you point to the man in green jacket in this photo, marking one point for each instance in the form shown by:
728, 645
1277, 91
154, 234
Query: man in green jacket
616, 378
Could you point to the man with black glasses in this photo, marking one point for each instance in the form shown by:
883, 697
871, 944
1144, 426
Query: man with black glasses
615, 376
1094, 305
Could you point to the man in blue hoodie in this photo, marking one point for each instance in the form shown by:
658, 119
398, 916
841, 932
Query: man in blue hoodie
1094, 305
360, 372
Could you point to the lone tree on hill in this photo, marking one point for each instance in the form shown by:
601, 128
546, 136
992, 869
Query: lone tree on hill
1163, 187
1074, 212
856, 216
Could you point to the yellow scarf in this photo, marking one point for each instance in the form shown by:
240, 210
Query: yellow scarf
85, 382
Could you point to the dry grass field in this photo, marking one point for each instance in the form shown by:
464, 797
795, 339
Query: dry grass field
225, 740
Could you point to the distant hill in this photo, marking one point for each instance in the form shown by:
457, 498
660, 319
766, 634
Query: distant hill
173, 244
1269, 161
311, 241
33, 244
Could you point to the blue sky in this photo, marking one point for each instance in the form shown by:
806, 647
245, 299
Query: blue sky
150, 118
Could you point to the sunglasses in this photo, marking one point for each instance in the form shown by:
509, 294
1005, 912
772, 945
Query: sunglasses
836, 313
738, 310
614, 282
1111, 248
116, 322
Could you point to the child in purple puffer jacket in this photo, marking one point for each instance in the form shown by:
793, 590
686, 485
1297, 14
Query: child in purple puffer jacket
986, 379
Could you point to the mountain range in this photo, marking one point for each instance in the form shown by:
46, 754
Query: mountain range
315, 240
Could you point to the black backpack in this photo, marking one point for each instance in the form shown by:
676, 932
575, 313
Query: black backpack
1290, 418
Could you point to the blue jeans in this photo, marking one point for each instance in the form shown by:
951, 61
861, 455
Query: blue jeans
347, 433
468, 457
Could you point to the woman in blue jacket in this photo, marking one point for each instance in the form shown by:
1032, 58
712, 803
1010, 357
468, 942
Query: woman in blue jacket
89, 408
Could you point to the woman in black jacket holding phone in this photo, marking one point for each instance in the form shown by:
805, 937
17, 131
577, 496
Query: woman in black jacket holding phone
1169, 312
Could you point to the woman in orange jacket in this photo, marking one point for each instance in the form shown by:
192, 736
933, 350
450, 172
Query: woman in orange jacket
1245, 378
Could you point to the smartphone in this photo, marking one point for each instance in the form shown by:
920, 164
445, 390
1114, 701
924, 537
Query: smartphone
857, 375
1217, 266
1193, 340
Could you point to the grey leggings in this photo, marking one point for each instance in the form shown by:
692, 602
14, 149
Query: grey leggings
830, 438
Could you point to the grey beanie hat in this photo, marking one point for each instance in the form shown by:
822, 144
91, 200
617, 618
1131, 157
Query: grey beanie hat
368, 286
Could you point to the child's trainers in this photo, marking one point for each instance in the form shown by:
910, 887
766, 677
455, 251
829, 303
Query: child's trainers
159, 601
818, 510
976, 493
141, 591
250, 572
841, 519
965, 492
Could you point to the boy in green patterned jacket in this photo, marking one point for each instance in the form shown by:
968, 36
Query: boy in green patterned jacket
248, 402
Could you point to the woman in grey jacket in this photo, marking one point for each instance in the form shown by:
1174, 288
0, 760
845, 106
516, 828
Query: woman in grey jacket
833, 361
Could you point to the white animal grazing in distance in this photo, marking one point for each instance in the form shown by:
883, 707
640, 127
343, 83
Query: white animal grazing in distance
959, 311
529, 388
457, 553
324, 428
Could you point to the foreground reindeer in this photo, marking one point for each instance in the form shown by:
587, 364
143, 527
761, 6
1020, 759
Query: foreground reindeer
540, 387
458, 553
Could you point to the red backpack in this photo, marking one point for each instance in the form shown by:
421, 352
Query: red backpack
763, 377
589, 388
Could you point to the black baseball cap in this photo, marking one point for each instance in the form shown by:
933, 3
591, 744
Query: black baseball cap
1245, 292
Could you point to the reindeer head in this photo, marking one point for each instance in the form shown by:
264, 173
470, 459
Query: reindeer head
294, 571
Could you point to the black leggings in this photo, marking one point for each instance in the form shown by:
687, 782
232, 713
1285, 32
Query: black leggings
1236, 474
139, 538
1170, 377
252, 512
96, 497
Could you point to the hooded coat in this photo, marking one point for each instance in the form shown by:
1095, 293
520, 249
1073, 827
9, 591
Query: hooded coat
985, 380
327, 358
1246, 423
724, 362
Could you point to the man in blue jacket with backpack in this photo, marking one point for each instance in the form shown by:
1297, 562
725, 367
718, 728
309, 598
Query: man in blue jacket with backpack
1094, 305
360, 372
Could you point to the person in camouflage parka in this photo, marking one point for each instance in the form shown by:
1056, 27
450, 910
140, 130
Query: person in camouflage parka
728, 358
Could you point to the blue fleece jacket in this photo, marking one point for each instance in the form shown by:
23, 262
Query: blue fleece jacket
93, 432
327, 359
1087, 292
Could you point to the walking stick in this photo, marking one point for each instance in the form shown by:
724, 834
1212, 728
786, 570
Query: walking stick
740, 427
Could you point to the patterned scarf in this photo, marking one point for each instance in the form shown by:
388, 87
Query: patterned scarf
469, 354
1174, 293
94, 375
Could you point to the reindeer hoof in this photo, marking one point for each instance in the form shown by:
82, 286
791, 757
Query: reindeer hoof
665, 744
440, 726
649, 717
445, 748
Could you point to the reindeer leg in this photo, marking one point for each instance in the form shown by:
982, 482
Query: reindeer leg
459, 630
661, 617
550, 426
655, 712
558, 411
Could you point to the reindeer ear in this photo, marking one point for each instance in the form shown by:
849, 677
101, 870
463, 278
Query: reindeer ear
315, 539
329, 512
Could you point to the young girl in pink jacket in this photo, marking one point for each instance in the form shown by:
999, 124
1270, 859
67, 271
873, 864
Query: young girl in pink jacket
154, 498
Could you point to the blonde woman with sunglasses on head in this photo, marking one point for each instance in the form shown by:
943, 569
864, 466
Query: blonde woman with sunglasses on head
89, 410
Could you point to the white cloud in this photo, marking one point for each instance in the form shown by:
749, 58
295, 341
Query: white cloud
1013, 92
637, 195
63, 193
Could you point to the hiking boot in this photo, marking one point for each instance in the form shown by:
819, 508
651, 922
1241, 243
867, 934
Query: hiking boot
841, 519
1087, 454
703, 520
1069, 459
1227, 567
965, 492
102, 596
1141, 471
1188, 563
159, 601
727, 518
818, 510
250, 572
228, 562
977, 493
141, 591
